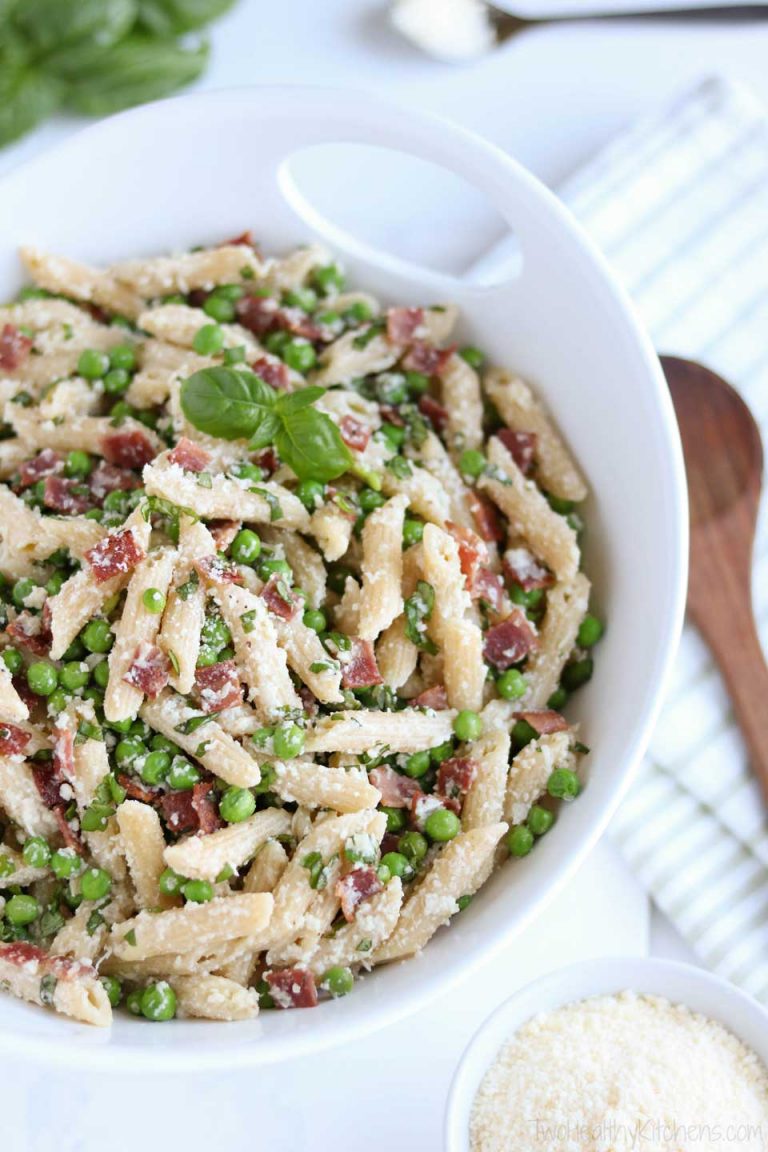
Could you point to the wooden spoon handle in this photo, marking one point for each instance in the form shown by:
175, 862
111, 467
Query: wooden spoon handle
735, 644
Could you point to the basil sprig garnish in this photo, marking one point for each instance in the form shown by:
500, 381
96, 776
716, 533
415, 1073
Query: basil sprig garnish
235, 404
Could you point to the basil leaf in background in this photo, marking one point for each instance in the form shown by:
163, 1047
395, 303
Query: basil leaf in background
54, 24
228, 404
310, 443
26, 98
171, 17
136, 70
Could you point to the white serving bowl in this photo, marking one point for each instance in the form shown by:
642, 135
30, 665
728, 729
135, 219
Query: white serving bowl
680, 983
205, 167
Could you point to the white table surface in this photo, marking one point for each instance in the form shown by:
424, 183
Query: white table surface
552, 98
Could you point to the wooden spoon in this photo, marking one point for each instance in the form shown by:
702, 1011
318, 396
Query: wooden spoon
724, 466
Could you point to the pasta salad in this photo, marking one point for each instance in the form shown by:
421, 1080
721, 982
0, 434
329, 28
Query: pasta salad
290, 606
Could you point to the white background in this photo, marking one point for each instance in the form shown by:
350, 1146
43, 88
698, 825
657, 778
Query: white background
552, 98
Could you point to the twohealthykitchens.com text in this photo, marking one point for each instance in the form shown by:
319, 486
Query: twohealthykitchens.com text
651, 1134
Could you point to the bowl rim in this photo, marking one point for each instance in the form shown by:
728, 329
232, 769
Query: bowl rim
712, 995
668, 619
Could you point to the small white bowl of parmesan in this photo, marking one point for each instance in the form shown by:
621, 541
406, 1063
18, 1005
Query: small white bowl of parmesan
612, 1055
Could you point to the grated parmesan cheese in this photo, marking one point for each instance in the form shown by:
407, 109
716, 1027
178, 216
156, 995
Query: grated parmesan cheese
622, 1072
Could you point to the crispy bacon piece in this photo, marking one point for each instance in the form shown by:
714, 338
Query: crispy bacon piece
425, 358
46, 463
13, 740
115, 555
14, 348
296, 321
257, 313
32, 632
354, 434
309, 701
64, 751
178, 811
149, 671
69, 834
245, 239
403, 324
521, 447
107, 478
66, 496
137, 791
391, 415
205, 807
213, 570
521, 567
48, 783
218, 686
268, 460
472, 549
455, 776
486, 518
292, 987
354, 888
23, 689
273, 372
510, 641
223, 532
488, 586
544, 720
435, 698
189, 456
358, 666
41, 963
396, 791
434, 410
277, 596
128, 449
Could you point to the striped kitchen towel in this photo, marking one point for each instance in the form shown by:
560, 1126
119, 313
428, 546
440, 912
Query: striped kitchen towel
679, 205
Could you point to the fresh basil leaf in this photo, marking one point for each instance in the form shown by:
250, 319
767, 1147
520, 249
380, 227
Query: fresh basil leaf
134, 71
291, 402
226, 403
311, 444
268, 427
26, 98
171, 17
52, 25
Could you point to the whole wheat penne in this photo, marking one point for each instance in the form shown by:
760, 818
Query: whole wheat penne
71, 987
566, 608
262, 660
381, 599
484, 802
316, 786
165, 275
358, 941
12, 707
364, 731
58, 274
200, 736
270, 862
206, 857
21, 800
179, 324
530, 770
214, 998
178, 930
396, 655
464, 403
185, 610
142, 841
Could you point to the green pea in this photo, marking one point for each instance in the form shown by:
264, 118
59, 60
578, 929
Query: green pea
113, 989
7, 866
511, 685
468, 725
208, 340
563, 784
121, 726
236, 355
269, 568
473, 356
207, 656
391, 389
170, 883
299, 355
220, 309
417, 383
522, 734
442, 825
229, 291
311, 493
153, 600
197, 891
57, 702
21, 590
417, 764
160, 743
215, 633
140, 730
303, 298
236, 805
116, 381
123, 356
74, 675
55, 582
530, 599
21, 910
92, 364
155, 767
396, 818
328, 279
95, 883
78, 464
245, 547
315, 619
338, 981
96, 817
413, 846
413, 530
370, 499
358, 313
558, 699
158, 1002
590, 631
13, 660
519, 840
42, 678
36, 853
276, 342
441, 752
65, 862
182, 774
129, 750
133, 1002
288, 741
472, 463
397, 864
100, 674
540, 820
577, 674
247, 471
394, 435
557, 504
97, 636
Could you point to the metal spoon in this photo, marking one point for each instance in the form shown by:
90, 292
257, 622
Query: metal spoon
724, 467
507, 24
